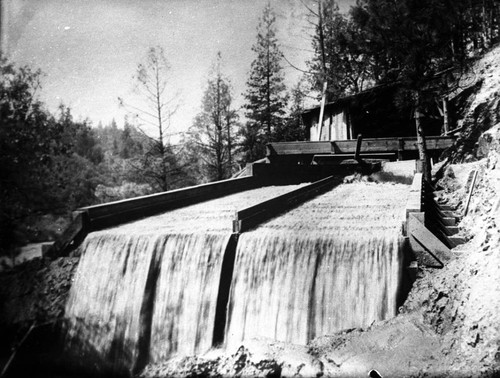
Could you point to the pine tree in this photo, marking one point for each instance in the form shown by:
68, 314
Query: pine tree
339, 57
294, 129
265, 95
211, 136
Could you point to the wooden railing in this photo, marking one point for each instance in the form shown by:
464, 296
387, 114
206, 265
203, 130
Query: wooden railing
369, 145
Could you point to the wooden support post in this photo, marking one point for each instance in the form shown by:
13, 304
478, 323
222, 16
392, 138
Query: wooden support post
322, 110
358, 149
225, 279
401, 147
469, 195
16, 349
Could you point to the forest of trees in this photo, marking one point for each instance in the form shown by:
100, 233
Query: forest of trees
53, 164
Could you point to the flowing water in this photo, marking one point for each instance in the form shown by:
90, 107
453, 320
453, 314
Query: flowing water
330, 264
153, 283
148, 290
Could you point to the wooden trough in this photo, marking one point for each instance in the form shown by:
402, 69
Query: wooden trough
98, 217
92, 218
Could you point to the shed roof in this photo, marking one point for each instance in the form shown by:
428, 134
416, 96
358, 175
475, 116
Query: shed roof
347, 100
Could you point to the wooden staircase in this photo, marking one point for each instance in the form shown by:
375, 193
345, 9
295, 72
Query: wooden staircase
431, 228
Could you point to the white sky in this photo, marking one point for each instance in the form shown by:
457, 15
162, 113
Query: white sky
89, 50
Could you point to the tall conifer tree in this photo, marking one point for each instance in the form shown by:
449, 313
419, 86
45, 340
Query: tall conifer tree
339, 52
265, 95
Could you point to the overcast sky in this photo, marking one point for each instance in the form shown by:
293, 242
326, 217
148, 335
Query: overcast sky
89, 50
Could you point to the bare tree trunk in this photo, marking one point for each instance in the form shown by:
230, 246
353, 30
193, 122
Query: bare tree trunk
161, 144
446, 121
229, 142
422, 150
322, 109
268, 95
323, 60
218, 126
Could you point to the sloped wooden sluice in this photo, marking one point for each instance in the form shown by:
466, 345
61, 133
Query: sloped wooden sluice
98, 217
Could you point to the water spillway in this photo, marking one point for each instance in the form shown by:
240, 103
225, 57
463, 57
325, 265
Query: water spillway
330, 264
149, 290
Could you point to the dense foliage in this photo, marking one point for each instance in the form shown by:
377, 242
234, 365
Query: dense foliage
413, 44
52, 164
405, 41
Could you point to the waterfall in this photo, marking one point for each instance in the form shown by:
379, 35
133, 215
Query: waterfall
332, 263
150, 290
147, 290
184, 313
103, 310
110, 307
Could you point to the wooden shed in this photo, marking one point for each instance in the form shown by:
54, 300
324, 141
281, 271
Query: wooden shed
379, 112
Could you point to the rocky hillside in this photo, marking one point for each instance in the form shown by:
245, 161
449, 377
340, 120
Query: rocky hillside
477, 105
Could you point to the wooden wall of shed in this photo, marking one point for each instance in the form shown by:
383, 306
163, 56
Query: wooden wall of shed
335, 126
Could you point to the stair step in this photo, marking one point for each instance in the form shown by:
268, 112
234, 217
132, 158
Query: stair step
451, 230
449, 221
456, 241
450, 214
447, 207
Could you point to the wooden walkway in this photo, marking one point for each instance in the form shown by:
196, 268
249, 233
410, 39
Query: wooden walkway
374, 148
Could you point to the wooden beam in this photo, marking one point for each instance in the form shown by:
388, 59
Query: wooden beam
414, 201
338, 158
225, 278
298, 148
401, 148
425, 243
72, 236
469, 195
252, 216
92, 218
358, 149
373, 145
114, 213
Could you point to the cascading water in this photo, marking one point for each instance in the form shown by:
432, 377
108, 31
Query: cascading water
330, 264
187, 288
147, 290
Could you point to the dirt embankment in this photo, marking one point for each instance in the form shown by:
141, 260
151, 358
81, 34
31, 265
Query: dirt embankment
33, 293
